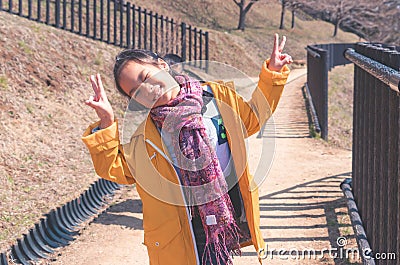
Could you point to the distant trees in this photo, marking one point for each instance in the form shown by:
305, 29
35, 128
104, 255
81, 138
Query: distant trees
245, 5
338, 11
373, 20
283, 9
292, 5
390, 22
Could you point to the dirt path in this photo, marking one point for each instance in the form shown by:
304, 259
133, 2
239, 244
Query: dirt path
301, 204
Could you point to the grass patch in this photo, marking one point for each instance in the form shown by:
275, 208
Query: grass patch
25, 47
99, 59
29, 108
312, 129
340, 110
10, 180
340, 107
3, 82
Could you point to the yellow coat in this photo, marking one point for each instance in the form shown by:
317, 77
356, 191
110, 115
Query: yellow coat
166, 224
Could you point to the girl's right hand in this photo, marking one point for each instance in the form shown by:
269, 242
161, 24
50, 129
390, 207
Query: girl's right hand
100, 103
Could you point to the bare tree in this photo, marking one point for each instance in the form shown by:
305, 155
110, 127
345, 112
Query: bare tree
342, 10
389, 24
349, 10
338, 12
244, 7
283, 8
372, 20
292, 5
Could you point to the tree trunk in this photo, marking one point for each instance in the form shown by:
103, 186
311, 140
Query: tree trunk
281, 26
293, 15
242, 19
243, 11
336, 28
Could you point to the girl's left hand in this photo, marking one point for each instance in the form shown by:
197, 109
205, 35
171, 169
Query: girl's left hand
279, 59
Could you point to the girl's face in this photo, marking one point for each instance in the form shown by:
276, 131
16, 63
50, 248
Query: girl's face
150, 85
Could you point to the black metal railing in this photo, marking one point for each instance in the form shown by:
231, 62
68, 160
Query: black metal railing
376, 145
119, 23
321, 59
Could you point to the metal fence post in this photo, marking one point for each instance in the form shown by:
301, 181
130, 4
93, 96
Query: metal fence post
145, 28
201, 48
156, 29
190, 44
80, 17
48, 12
72, 16
20, 8
115, 22
133, 26
151, 30
195, 45
128, 25
121, 24
325, 64
140, 27
64, 26
87, 18
108, 21
57, 13
39, 12
94, 19
183, 41
102, 20
207, 52
29, 9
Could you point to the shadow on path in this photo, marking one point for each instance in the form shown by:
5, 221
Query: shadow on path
299, 216
123, 214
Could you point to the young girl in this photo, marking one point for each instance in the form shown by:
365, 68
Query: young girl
188, 158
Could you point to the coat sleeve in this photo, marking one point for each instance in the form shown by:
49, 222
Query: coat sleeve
264, 100
107, 154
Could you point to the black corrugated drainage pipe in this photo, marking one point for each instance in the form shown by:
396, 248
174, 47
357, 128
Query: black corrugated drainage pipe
59, 226
362, 241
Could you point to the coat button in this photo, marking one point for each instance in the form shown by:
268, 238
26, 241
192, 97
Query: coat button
157, 244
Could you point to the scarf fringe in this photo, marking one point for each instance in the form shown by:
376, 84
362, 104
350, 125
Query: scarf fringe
222, 251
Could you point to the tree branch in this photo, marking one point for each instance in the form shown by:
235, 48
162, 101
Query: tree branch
247, 8
238, 3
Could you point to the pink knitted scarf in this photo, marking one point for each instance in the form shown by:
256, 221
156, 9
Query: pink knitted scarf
200, 169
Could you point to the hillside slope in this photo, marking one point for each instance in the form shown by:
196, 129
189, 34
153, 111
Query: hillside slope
44, 81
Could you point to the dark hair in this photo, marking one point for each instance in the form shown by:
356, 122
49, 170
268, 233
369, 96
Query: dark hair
172, 58
139, 56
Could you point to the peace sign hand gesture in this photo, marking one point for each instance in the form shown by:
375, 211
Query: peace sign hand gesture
100, 103
279, 59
